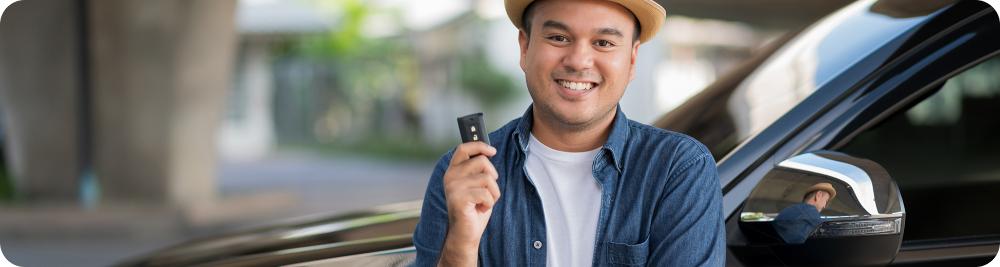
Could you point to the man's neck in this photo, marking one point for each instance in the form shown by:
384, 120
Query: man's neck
569, 139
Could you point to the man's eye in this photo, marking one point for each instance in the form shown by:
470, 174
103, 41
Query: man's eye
604, 43
558, 38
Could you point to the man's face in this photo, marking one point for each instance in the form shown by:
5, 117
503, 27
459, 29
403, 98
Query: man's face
818, 199
578, 60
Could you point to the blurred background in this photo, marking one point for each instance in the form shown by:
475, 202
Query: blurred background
130, 125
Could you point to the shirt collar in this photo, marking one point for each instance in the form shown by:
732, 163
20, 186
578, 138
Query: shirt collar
615, 144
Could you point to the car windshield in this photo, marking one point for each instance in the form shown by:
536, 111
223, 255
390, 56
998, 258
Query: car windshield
728, 113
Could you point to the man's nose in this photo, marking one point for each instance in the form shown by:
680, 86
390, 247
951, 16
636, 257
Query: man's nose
579, 58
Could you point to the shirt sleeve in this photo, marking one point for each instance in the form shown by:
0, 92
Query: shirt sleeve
428, 238
796, 223
689, 224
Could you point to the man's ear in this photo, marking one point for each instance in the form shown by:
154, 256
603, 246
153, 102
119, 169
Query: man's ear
635, 54
522, 40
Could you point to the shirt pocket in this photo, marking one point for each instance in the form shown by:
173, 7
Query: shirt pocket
620, 254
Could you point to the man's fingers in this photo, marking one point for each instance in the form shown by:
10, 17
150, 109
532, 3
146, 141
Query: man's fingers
483, 165
466, 151
482, 198
474, 181
471, 178
493, 187
475, 166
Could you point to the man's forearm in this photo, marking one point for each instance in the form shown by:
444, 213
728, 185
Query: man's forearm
458, 253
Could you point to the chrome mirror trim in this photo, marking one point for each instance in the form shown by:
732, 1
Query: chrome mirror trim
858, 221
857, 179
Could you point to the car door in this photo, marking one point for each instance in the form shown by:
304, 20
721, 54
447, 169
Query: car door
938, 134
944, 152
943, 65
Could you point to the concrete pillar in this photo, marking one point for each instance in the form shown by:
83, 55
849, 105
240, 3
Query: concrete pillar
39, 86
161, 70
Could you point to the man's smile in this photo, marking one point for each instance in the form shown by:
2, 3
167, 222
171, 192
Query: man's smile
576, 86
575, 90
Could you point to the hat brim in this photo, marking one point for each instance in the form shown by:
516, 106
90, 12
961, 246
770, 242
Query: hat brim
827, 187
650, 14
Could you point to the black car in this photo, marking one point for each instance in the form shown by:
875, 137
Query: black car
896, 104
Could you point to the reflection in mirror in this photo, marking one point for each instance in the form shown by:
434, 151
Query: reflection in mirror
824, 194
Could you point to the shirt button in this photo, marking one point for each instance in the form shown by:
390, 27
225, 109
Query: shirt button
538, 244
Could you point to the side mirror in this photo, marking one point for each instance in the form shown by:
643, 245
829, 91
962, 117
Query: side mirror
826, 208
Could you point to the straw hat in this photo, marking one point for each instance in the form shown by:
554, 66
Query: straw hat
650, 14
823, 187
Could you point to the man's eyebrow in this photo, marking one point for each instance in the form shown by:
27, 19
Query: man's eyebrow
601, 31
555, 24
610, 31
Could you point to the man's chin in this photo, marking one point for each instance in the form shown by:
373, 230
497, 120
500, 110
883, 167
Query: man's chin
575, 121
572, 117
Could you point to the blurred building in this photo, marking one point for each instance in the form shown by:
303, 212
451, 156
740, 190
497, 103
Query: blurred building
247, 130
686, 56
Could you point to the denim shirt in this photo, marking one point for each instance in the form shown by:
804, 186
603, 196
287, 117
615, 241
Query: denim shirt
796, 223
661, 203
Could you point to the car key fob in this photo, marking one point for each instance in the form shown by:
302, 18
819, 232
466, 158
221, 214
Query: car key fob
473, 128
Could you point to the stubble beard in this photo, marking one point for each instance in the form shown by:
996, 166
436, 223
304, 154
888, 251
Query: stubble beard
547, 112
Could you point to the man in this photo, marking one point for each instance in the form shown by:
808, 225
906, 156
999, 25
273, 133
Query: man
574, 182
795, 223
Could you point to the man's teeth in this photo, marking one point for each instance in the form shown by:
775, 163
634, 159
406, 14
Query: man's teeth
576, 85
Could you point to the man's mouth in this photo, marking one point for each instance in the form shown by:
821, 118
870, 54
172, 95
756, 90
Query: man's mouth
577, 86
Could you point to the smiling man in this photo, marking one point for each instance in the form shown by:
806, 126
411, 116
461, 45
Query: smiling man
573, 182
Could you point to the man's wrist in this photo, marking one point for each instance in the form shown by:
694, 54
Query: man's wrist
459, 251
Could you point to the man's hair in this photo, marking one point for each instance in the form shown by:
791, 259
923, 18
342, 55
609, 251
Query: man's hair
530, 10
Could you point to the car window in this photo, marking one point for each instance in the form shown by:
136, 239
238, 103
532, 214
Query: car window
944, 152
724, 116
810, 62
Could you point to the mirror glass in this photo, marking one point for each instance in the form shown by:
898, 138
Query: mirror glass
825, 194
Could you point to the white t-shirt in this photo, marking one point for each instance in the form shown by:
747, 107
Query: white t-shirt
571, 200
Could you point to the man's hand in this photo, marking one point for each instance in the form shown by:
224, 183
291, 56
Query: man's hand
470, 190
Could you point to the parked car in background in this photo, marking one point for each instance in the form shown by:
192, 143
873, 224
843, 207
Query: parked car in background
895, 103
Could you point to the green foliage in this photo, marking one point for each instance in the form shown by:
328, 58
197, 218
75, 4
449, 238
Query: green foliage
354, 72
356, 86
480, 79
348, 39
386, 148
